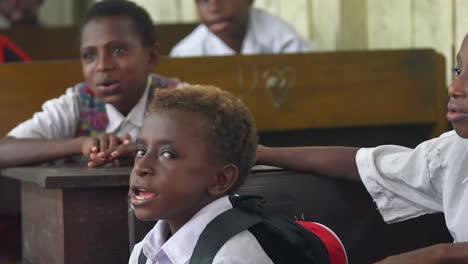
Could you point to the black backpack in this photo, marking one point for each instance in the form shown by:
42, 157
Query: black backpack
283, 240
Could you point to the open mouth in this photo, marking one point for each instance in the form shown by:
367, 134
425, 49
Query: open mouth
139, 196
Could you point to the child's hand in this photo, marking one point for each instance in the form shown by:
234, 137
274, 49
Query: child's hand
117, 152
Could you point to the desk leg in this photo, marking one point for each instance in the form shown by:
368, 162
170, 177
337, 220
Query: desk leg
82, 225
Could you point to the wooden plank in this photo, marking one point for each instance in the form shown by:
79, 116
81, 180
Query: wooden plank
75, 225
369, 83
96, 225
284, 92
70, 177
62, 43
43, 229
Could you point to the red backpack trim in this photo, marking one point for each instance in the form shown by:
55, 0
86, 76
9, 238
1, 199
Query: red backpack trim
335, 248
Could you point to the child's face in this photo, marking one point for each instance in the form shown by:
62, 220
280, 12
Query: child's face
115, 62
458, 91
224, 17
172, 171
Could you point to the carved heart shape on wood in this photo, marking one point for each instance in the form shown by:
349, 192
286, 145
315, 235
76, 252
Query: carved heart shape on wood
278, 82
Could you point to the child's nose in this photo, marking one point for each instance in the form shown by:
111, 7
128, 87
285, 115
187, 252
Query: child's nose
458, 87
143, 171
105, 63
144, 166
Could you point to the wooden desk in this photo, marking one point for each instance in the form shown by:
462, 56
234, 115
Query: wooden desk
73, 215
79, 215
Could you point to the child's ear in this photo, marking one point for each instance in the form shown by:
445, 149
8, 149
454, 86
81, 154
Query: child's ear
224, 180
153, 56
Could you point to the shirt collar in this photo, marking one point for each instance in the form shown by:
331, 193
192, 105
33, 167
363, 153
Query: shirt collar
251, 45
136, 115
179, 248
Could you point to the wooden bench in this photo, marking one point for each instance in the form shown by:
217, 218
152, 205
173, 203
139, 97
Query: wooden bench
77, 215
61, 43
371, 97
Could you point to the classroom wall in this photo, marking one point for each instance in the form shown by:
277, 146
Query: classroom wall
329, 24
355, 24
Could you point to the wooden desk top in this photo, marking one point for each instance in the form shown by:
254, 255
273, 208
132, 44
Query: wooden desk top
70, 177
80, 177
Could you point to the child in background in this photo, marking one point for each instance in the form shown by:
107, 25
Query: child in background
234, 27
118, 52
19, 13
196, 146
406, 183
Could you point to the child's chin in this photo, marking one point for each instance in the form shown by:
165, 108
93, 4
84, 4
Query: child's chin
144, 216
462, 130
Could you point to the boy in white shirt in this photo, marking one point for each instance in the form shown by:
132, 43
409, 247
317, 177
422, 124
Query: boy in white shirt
196, 147
234, 27
118, 53
405, 182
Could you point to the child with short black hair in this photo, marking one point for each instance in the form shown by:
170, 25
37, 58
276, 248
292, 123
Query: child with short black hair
196, 147
106, 111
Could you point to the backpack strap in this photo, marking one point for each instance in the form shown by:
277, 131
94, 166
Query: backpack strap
142, 257
220, 230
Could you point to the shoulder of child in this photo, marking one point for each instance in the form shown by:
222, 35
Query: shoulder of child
190, 44
242, 248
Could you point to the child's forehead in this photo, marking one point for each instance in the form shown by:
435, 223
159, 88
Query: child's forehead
101, 28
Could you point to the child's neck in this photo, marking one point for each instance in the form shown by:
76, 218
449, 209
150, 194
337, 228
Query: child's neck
235, 40
176, 222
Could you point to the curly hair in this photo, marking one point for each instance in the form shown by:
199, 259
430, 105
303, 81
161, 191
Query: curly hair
231, 127
143, 23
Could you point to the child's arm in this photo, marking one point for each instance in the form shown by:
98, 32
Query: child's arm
330, 161
18, 152
436, 254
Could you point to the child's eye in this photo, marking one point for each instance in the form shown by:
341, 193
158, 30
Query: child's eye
88, 56
167, 154
140, 152
457, 71
118, 50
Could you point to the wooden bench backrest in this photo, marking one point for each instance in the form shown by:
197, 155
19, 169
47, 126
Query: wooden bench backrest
61, 43
285, 92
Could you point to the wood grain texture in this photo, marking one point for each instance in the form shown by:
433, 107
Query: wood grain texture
284, 92
62, 43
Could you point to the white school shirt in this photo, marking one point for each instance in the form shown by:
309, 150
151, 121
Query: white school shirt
407, 183
266, 34
60, 118
242, 248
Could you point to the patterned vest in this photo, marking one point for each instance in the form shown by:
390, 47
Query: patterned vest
93, 116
